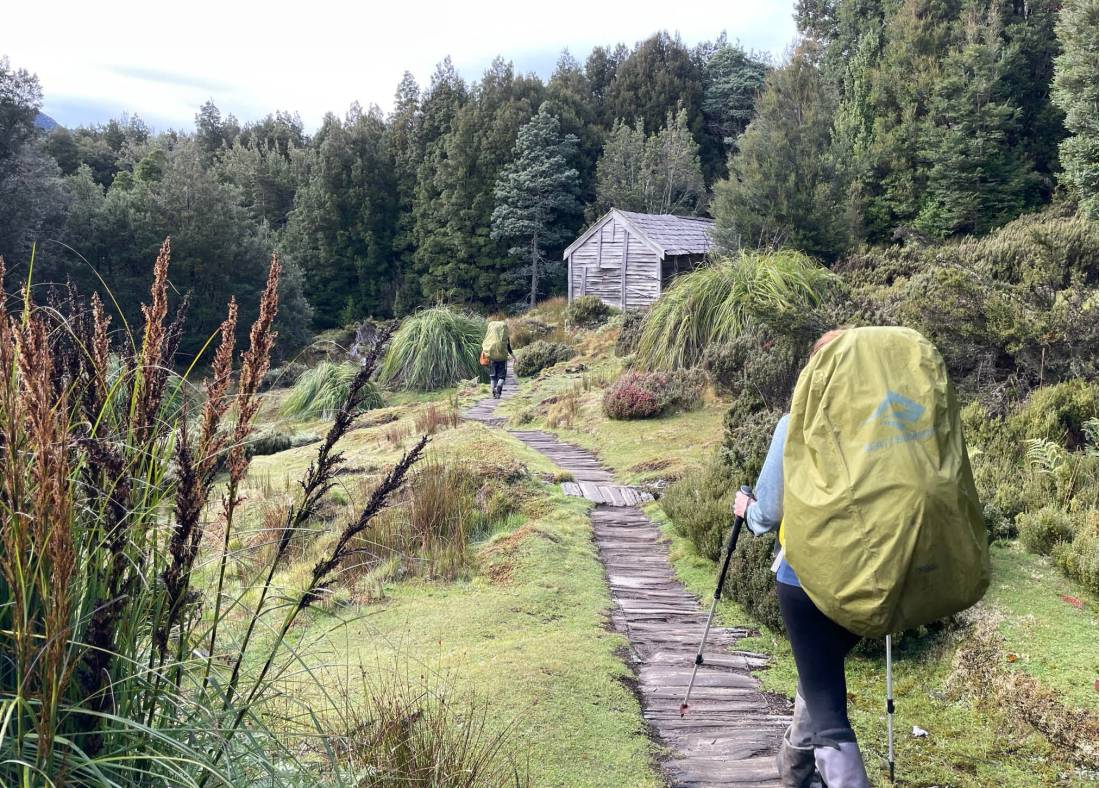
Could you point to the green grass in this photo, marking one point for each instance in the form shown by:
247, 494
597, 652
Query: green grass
534, 645
636, 450
1054, 641
527, 630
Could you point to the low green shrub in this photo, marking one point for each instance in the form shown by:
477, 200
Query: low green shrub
630, 331
1078, 559
433, 349
757, 365
748, 435
318, 392
1042, 530
522, 331
751, 582
269, 442
1056, 413
699, 505
640, 395
588, 311
539, 355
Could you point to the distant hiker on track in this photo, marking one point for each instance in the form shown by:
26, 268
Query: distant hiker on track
495, 350
868, 482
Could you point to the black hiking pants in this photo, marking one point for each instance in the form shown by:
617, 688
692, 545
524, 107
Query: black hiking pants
820, 646
498, 370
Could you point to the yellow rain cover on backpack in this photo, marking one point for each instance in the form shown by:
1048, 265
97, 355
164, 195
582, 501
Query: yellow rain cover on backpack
495, 345
881, 519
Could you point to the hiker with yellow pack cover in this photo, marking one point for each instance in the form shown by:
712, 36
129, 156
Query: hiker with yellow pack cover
868, 482
495, 349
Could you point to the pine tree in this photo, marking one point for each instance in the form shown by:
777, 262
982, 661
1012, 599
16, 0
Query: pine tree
536, 195
456, 257
733, 78
783, 186
1075, 92
675, 176
976, 179
619, 172
569, 94
659, 77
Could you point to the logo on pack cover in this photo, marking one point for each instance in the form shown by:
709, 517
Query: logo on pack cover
901, 413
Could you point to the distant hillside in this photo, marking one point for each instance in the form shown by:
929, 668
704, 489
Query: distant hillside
45, 122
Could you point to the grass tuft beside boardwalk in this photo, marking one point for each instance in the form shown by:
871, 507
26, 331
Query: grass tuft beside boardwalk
529, 635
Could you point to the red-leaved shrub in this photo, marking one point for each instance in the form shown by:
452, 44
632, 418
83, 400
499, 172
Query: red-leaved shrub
638, 395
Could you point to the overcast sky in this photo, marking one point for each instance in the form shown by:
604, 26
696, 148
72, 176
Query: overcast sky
162, 61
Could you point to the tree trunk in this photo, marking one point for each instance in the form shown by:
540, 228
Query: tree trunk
534, 268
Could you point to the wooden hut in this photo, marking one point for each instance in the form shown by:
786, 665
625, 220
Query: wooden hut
627, 258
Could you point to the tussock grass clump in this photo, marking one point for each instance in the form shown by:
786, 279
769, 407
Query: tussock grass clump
318, 392
718, 302
435, 417
406, 732
433, 349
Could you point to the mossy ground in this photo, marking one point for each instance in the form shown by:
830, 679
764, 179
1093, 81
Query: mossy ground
526, 629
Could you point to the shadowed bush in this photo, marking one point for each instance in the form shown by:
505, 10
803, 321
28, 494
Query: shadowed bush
630, 331
700, 508
522, 331
318, 392
588, 311
718, 302
539, 355
433, 349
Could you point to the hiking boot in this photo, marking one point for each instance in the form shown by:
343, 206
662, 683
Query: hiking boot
840, 764
795, 759
795, 763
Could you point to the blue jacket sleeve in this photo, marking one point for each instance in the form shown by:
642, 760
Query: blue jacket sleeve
765, 514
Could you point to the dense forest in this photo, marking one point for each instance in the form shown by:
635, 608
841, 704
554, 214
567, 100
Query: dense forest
888, 122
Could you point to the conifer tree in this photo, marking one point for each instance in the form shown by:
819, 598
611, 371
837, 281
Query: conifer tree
783, 186
536, 195
1075, 92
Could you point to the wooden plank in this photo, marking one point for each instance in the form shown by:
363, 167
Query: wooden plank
729, 735
570, 296
622, 271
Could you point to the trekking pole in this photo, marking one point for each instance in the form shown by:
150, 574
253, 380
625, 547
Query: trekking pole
737, 521
890, 706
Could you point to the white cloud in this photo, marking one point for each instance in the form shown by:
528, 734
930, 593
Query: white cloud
163, 61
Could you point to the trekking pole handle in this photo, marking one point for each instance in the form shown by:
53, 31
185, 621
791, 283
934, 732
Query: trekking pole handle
737, 522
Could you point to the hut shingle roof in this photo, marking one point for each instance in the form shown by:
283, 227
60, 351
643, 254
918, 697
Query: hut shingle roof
674, 234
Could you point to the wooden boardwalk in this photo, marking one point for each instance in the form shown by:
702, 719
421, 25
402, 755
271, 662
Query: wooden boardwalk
729, 736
